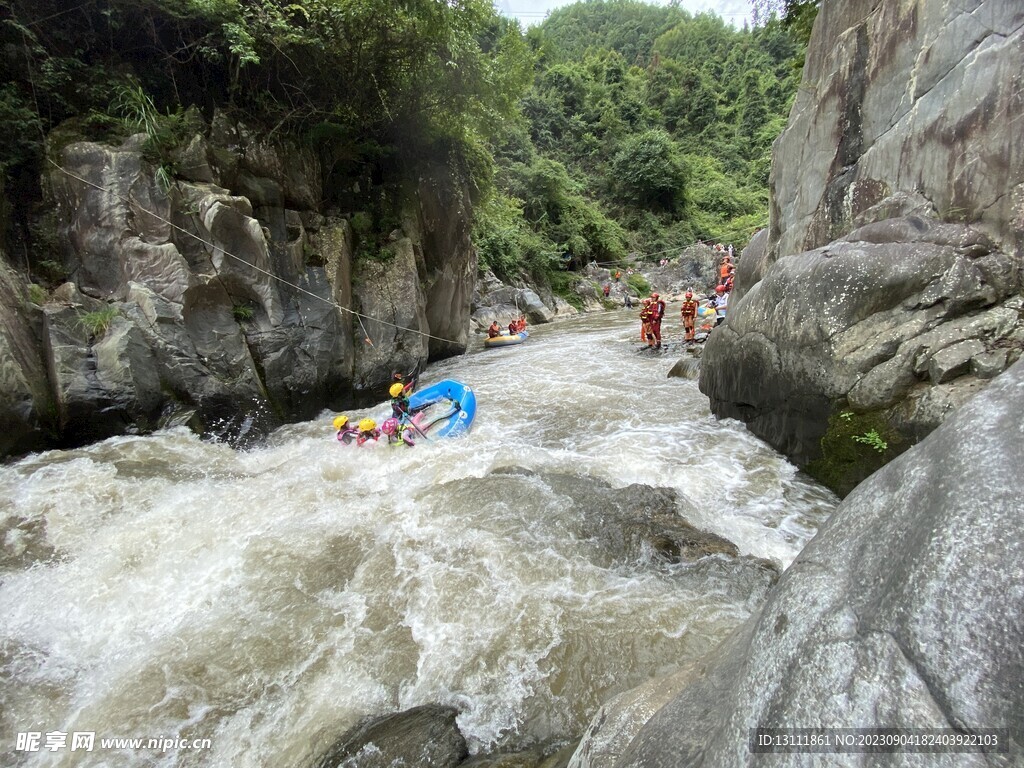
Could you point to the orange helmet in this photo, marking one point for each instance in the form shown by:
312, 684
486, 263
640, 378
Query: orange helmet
655, 296
720, 289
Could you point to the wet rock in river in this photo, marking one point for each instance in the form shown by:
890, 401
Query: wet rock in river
538, 757
422, 736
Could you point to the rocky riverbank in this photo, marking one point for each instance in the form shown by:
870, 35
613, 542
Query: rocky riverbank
888, 618
887, 291
230, 302
227, 300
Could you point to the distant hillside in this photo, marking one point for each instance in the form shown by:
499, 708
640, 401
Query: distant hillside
645, 129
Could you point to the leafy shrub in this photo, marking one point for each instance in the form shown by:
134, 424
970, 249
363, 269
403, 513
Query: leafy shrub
564, 284
163, 133
854, 446
242, 312
504, 242
21, 126
37, 294
51, 271
873, 439
97, 323
361, 223
639, 284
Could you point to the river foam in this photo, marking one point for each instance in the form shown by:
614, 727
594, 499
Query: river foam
266, 599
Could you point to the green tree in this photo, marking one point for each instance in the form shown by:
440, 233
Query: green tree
648, 170
754, 111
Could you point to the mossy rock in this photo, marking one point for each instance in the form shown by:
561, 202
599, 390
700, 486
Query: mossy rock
564, 284
855, 446
638, 283
94, 126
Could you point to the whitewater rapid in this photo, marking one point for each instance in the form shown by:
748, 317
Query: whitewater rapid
164, 586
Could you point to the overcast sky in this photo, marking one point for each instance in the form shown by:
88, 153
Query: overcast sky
529, 12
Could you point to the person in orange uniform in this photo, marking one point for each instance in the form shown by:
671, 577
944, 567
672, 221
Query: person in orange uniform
494, 330
689, 315
645, 323
657, 313
723, 271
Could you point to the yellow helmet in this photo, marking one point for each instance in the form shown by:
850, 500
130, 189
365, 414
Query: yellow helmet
396, 389
340, 422
367, 425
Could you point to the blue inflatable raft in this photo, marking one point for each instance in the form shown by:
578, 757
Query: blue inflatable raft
445, 409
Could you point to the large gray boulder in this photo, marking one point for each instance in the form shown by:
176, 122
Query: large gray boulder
909, 102
906, 610
871, 323
24, 390
103, 378
751, 265
437, 220
887, 290
112, 207
393, 340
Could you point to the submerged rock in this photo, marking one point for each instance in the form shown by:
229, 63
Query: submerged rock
636, 521
546, 756
687, 367
422, 736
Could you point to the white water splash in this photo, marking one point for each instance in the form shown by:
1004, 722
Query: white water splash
267, 599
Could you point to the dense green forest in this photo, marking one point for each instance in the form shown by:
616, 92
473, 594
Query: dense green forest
644, 130
613, 128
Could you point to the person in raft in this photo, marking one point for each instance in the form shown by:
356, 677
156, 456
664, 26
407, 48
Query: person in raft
407, 380
399, 401
396, 432
657, 313
689, 315
346, 432
494, 331
367, 431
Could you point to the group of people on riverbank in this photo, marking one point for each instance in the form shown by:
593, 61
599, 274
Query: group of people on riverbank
653, 308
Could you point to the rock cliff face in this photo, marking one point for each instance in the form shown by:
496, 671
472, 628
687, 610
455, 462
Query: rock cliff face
226, 301
906, 610
887, 289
